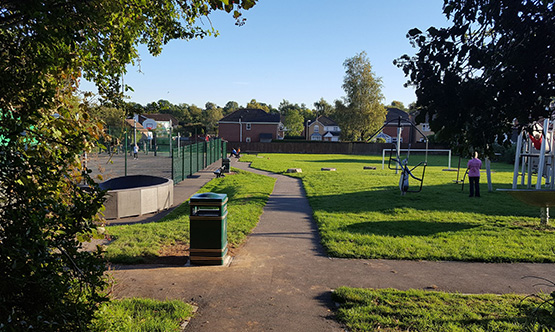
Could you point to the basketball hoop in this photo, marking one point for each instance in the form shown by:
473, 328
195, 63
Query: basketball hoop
150, 124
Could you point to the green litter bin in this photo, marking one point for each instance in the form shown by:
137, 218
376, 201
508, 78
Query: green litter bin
225, 164
208, 229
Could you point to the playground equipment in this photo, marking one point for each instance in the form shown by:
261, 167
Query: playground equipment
535, 154
457, 181
426, 151
402, 165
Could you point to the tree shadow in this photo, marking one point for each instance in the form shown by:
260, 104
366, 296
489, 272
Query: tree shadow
326, 299
405, 228
353, 160
441, 198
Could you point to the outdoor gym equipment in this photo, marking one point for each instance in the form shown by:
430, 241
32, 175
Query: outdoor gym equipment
464, 178
534, 154
406, 173
402, 165
457, 181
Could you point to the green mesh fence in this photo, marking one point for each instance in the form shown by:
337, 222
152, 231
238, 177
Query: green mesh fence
189, 159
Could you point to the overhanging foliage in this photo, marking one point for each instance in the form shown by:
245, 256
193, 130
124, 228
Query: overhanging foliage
495, 64
48, 202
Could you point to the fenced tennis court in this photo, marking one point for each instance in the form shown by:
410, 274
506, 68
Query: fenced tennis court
183, 161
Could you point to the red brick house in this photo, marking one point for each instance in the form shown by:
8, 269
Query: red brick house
396, 118
250, 125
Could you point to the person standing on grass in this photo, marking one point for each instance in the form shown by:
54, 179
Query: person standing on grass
135, 151
474, 166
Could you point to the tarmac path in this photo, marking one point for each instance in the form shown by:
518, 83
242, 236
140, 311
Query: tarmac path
281, 279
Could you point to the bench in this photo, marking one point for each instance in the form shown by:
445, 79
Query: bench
220, 171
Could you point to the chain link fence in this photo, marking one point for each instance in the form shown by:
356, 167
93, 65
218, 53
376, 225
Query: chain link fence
158, 155
189, 159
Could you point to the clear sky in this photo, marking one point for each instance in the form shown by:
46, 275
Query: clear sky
288, 49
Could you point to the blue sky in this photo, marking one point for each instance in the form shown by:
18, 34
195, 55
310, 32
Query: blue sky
288, 49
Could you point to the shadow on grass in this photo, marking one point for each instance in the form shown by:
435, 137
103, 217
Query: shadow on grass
441, 198
226, 188
405, 228
344, 161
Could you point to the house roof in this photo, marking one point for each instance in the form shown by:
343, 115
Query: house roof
251, 115
138, 126
326, 121
395, 113
159, 118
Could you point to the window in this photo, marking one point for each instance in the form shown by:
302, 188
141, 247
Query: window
425, 127
315, 137
248, 126
248, 139
316, 128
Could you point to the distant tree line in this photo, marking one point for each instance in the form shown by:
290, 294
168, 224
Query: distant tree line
192, 118
359, 114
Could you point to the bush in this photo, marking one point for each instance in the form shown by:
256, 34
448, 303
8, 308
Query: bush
505, 154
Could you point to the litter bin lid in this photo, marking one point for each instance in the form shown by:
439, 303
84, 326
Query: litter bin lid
209, 197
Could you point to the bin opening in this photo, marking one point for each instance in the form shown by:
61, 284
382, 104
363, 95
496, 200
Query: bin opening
206, 212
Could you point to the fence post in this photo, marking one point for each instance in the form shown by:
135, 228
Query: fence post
191, 159
125, 151
196, 146
208, 152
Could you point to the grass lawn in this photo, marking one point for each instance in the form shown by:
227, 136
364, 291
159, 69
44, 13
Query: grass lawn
247, 195
361, 214
417, 310
137, 315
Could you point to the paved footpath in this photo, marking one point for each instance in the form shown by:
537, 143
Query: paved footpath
281, 279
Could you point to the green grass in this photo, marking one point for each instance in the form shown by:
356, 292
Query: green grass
361, 214
247, 195
137, 315
417, 310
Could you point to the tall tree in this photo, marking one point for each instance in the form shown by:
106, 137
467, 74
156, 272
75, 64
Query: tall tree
361, 112
230, 107
210, 117
133, 108
399, 105
294, 122
285, 106
322, 107
46, 282
108, 115
255, 104
210, 105
493, 65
